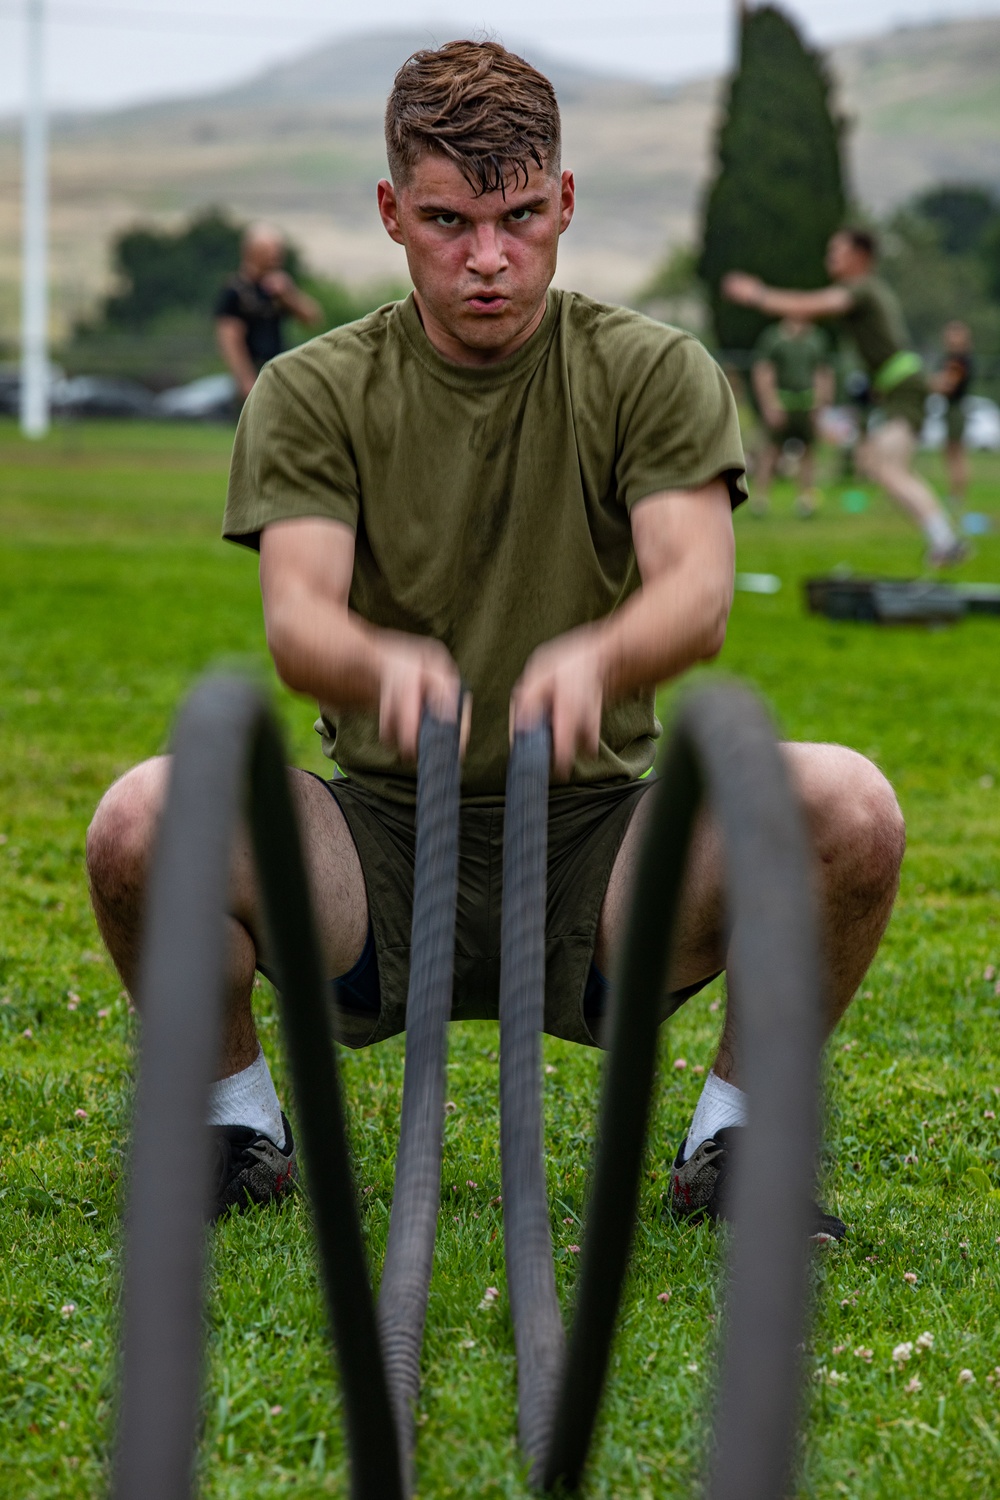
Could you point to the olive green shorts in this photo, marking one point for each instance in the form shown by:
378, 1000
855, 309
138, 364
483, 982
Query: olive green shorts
798, 425
586, 828
955, 421
905, 400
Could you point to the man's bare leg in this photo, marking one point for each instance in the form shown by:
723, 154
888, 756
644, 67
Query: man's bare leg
763, 477
858, 839
119, 849
956, 463
886, 456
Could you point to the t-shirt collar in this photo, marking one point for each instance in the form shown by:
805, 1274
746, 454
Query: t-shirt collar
477, 377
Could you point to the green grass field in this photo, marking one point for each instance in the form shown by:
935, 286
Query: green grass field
114, 594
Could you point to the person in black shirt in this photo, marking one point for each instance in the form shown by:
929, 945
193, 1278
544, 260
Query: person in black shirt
251, 307
953, 379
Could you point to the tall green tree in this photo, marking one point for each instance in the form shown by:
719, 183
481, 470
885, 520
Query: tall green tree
162, 271
778, 192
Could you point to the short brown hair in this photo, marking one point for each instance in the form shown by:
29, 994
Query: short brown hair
486, 109
862, 239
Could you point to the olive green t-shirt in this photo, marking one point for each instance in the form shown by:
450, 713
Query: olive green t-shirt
490, 504
875, 322
795, 358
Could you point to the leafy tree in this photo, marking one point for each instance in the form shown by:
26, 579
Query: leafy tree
960, 213
674, 292
778, 193
934, 285
163, 272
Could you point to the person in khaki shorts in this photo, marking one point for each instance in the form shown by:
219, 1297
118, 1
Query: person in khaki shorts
953, 380
497, 482
867, 310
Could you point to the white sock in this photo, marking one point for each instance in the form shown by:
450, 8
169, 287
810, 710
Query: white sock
938, 531
721, 1104
248, 1098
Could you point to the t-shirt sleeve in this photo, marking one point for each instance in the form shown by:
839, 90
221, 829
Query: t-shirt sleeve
764, 347
227, 303
292, 456
680, 428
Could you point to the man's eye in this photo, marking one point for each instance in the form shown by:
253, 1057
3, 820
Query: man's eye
447, 221
521, 215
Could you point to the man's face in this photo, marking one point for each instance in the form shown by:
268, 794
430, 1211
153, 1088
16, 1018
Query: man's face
957, 338
480, 265
263, 253
844, 259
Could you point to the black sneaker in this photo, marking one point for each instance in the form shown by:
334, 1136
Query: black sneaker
699, 1186
250, 1168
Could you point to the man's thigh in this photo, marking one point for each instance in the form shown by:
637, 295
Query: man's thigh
847, 804
890, 445
122, 837
698, 946
340, 900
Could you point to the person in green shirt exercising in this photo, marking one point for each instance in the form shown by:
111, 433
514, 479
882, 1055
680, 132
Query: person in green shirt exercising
501, 483
791, 379
869, 313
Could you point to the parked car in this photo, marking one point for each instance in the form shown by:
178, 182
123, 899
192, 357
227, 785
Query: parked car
982, 423
210, 399
96, 396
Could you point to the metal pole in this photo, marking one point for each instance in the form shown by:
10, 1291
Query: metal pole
34, 253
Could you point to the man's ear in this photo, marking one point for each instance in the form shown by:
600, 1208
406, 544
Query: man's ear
388, 208
567, 201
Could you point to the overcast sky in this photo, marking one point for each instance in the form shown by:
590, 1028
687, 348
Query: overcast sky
108, 52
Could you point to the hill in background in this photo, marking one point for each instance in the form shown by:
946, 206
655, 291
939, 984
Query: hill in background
302, 144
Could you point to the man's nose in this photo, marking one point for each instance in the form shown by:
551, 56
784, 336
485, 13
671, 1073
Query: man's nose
486, 255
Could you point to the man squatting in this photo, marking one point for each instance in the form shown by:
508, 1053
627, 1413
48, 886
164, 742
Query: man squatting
497, 482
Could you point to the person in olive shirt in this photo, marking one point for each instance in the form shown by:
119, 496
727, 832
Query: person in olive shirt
953, 381
867, 310
531, 491
251, 308
791, 378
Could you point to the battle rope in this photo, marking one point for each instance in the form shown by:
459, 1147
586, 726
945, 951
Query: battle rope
406, 1274
723, 744
531, 1285
722, 747
226, 743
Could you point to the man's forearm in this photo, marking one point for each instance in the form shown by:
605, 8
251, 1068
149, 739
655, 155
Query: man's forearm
301, 306
233, 346
328, 653
673, 622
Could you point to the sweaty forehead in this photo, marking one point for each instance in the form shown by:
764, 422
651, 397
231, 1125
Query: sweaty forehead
436, 177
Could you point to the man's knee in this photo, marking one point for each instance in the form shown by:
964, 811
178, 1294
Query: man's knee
121, 833
855, 820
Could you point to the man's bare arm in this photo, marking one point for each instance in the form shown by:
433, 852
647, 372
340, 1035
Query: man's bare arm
824, 385
323, 649
292, 297
777, 302
232, 336
686, 553
765, 385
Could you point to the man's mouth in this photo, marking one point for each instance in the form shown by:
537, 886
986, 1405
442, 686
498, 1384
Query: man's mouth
487, 302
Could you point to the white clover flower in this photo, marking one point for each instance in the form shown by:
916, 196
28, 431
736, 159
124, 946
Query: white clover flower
966, 1377
902, 1353
925, 1341
866, 1354
913, 1386
489, 1297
